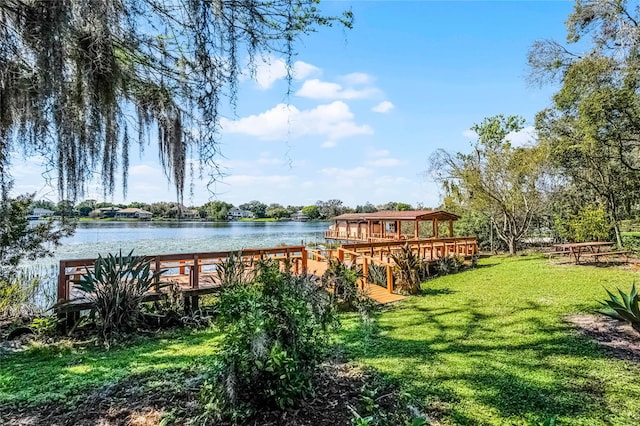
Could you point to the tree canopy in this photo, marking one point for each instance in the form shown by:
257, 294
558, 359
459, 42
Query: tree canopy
496, 179
79, 79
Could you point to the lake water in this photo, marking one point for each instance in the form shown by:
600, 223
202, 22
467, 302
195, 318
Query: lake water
146, 238
93, 238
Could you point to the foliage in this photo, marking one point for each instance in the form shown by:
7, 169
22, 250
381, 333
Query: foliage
276, 332
446, 265
591, 128
626, 308
496, 179
312, 212
377, 274
17, 291
631, 243
234, 271
21, 240
74, 72
407, 268
330, 208
342, 282
589, 224
216, 210
115, 288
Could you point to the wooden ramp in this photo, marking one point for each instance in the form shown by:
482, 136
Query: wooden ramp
375, 292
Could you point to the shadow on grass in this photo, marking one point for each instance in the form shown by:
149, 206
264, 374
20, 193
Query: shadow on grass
435, 291
525, 368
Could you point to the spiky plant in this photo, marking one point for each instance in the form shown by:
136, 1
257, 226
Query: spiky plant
407, 266
115, 287
626, 308
342, 280
234, 271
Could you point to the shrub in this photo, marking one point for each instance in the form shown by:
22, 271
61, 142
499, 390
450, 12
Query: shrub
342, 282
626, 308
276, 333
407, 270
234, 271
115, 287
17, 293
446, 265
631, 243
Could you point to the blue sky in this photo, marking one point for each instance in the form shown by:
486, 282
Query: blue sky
368, 106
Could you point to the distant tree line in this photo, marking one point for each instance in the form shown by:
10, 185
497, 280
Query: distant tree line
219, 210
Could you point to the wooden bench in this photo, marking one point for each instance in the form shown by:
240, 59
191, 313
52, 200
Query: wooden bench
606, 254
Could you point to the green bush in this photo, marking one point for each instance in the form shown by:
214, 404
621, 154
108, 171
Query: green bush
17, 292
115, 287
446, 265
407, 270
626, 308
276, 333
342, 282
631, 243
589, 224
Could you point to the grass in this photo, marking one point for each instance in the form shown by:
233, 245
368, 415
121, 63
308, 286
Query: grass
63, 375
491, 346
485, 347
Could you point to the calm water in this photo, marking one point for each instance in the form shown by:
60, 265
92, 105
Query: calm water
91, 238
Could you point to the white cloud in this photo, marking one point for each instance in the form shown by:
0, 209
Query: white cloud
386, 162
347, 174
271, 69
470, 134
357, 78
333, 121
383, 107
524, 137
317, 89
249, 180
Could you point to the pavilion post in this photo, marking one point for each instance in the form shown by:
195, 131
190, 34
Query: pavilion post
416, 229
450, 228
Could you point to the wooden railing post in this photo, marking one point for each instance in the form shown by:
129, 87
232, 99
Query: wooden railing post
156, 284
304, 261
365, 271
63, 295
195, 277
389, 279
340, 255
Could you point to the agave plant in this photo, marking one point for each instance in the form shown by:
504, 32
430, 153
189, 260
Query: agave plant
343, 281
407, 268
233, 271
115, 287
625, 308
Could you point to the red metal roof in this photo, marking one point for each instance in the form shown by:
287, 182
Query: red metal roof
395, 215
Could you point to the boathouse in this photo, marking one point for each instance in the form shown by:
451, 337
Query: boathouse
391, 226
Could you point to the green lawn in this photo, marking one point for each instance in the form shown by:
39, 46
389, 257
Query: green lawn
490, 346
63, 375
487, 346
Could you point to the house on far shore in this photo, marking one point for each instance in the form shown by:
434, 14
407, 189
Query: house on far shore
133, 213
38, 213
235, 214
299, 216
104, 212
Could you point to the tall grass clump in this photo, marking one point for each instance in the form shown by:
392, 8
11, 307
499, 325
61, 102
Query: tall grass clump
276, 333
18, 292
115, 288
234, 271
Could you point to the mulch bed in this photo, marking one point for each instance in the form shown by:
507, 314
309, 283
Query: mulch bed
618, 338
339, 392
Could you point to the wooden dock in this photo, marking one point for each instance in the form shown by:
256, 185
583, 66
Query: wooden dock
193, 274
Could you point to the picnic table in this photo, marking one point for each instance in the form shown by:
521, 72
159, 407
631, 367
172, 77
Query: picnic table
592, 249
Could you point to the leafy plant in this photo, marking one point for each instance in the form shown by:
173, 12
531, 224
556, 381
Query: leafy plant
276, 333
407, 268
342, 282
17, 292
446, 265
115, 287
377, 274
233, 270
626, 308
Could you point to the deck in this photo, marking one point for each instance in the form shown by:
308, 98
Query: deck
194, 274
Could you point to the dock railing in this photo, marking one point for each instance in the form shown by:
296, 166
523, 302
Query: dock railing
185, 264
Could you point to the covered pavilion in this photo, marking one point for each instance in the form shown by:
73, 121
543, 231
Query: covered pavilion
390, 225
